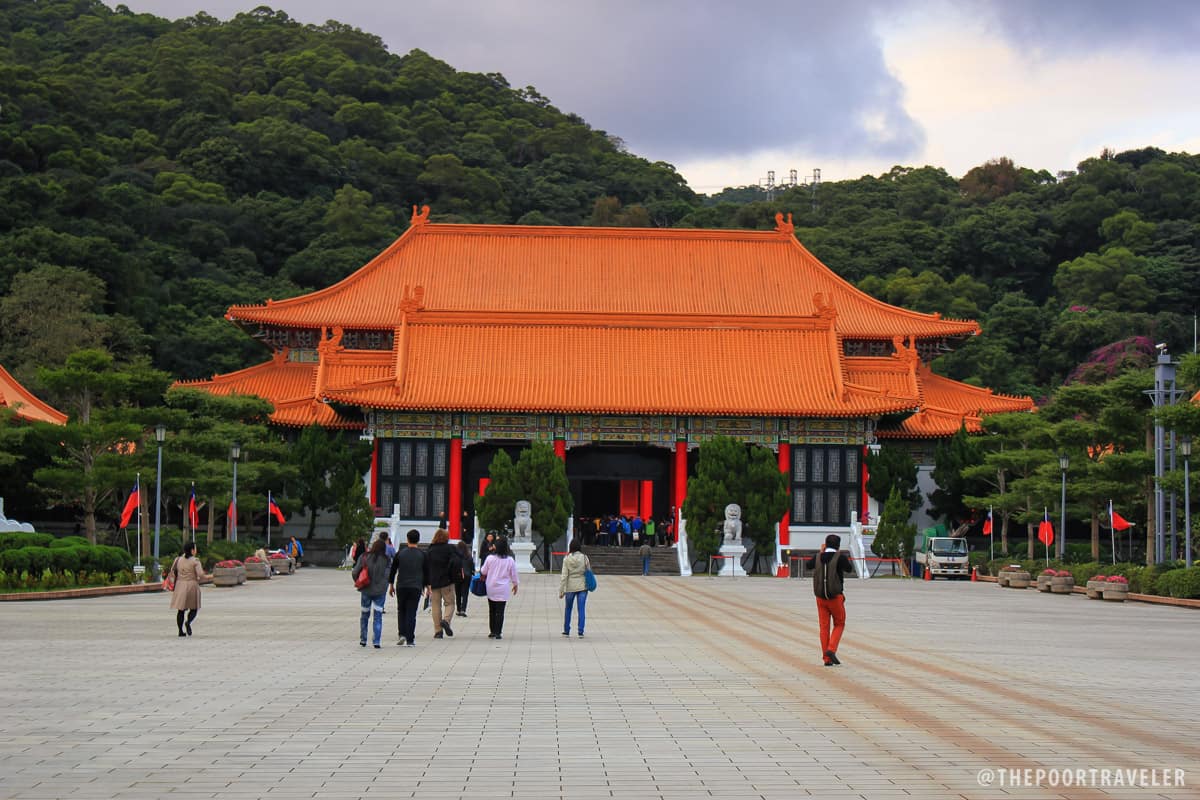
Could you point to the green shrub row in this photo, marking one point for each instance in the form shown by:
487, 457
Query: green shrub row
48, 580
87, 558
14, 540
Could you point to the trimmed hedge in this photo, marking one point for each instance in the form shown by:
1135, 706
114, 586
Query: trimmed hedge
16, 540
89, 558
1180, 583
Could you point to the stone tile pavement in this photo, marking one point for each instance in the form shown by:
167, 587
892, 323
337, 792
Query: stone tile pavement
683, 688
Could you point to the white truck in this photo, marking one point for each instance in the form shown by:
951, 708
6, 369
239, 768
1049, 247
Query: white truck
945, 556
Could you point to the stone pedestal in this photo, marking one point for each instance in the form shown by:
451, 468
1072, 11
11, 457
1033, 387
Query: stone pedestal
733, 564
522, 550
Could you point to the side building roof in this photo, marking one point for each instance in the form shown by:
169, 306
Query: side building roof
25, 403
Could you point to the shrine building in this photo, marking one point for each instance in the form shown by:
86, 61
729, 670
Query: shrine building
626, 349
25, 404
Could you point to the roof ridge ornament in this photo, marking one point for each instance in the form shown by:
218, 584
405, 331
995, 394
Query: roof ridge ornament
784, 227
419, 217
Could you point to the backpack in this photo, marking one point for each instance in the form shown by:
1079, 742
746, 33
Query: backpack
457, 572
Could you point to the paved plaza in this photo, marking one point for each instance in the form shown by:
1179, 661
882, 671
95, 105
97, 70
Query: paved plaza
683, 688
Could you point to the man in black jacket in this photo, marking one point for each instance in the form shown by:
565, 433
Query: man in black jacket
827, 570
408, 581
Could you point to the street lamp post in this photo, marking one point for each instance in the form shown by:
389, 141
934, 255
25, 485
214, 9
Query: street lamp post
160, 435
235, 453
1063, 462
1185, 450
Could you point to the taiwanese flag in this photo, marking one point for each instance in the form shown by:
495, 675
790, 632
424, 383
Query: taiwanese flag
1119, 523
275, 510
131, 505
231, 512
987, 524
1046, 530
193, 512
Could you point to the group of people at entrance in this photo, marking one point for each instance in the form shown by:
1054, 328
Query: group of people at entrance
620, 530
441, 575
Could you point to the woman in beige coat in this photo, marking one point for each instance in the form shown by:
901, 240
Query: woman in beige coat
573, 585
188, 572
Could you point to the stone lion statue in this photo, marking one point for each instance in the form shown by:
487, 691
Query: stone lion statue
733, 523
523, 520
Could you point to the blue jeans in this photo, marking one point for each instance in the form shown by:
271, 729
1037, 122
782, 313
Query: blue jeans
368, 604
646, 565
581, 599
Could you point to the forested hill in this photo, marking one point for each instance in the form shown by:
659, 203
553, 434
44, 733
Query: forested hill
152, 172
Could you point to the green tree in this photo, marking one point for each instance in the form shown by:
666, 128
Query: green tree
727, 472
952, 459
893, 468
895, 534
105, 438
540, 477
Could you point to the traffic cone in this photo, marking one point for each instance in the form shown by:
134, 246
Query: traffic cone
974, 574
928, 575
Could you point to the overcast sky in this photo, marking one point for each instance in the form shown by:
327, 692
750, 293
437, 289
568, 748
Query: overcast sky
726, 91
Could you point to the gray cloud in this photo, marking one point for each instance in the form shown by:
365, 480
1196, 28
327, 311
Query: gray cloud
1067, 27
676, 80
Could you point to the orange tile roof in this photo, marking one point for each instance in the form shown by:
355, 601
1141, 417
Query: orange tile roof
288, 385
769, 369
601, 271
25, 404
947, 404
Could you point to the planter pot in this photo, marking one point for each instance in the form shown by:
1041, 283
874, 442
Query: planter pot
257, 572
1002, 579
1060, 585
228, 576
1019, 580
1095, 589
1118, 593
283, 566
1043, 583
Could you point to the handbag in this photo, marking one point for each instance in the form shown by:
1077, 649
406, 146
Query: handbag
169, 580
589, 580
478, 585
364, 578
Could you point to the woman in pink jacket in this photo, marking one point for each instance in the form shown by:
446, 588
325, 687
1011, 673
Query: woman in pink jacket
500, 573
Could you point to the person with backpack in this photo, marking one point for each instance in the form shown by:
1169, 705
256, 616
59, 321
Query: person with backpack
374, 593
407, 579
445, 570
828, 569
500, 573
462, 589
573, 585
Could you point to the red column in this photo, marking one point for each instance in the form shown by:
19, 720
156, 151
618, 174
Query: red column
374, 474
560, 449
680, 484
646, 506
785, 466
454, 513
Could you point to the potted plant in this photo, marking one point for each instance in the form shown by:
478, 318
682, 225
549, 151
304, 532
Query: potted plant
1043, 579
228, 573
256, 568
1017, 578
282, 564
1062, 582
1095, 587
1006, 574
1116, 588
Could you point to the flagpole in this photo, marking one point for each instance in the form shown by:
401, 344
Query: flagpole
1112, 532
191, 516
137, 482
268, 519
1046, 517
991, 538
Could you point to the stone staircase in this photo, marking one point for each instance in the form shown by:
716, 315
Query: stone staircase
626, 561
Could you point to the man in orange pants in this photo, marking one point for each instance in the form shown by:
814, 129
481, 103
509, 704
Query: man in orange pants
827, 570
